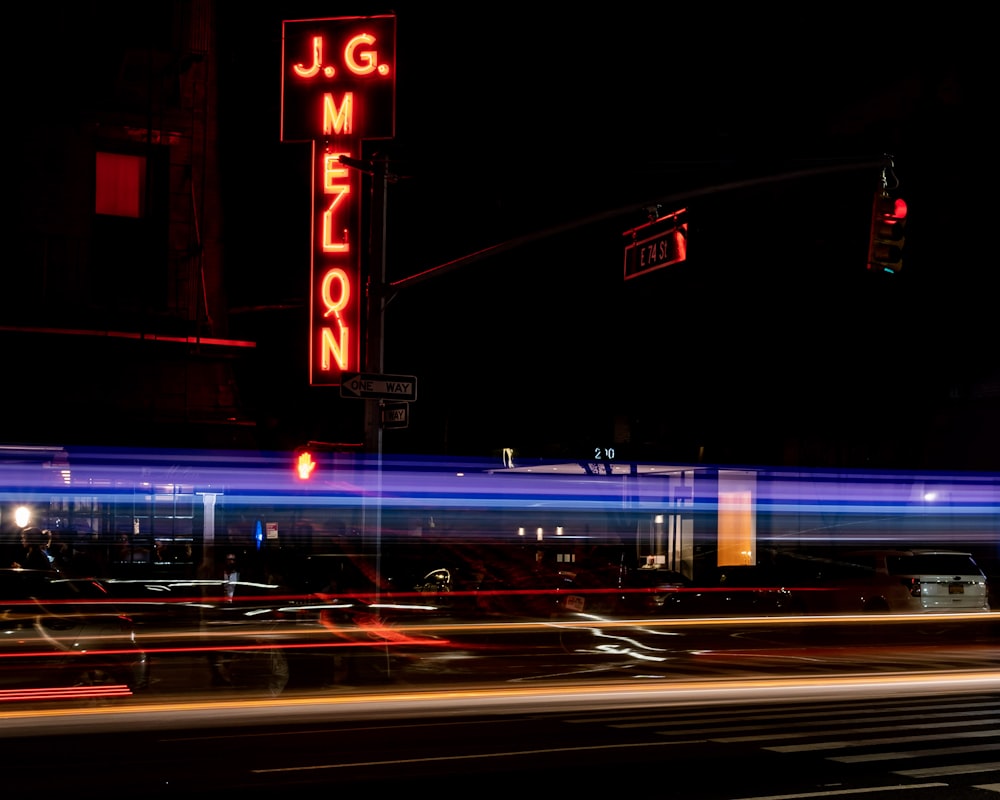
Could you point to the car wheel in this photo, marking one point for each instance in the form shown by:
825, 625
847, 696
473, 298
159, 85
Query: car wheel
877, 605
86, 678
94, 676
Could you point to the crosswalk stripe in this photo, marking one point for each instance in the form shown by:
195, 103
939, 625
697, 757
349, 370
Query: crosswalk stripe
839, 745
785, 734
940, 751
953, 769
819, 730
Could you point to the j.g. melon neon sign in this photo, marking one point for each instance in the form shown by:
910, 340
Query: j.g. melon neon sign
337, 89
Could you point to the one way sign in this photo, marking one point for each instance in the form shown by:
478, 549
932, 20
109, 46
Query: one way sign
379, 387
395, 415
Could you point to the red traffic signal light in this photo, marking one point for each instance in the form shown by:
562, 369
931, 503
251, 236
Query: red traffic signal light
305, 465
888, 233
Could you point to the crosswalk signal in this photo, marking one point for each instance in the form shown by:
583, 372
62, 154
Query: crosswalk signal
888, 227
305, 464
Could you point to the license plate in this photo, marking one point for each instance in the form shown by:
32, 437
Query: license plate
574, 602
956, 588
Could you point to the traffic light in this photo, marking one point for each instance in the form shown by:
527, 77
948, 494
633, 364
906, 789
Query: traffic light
888, 233
305, 464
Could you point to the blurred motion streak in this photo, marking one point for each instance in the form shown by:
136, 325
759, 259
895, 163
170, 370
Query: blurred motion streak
64, 693
479, 571
490, 699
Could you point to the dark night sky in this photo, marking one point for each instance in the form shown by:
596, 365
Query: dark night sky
511, 120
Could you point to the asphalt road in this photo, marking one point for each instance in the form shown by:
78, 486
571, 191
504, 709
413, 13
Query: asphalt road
930, 737
729, 709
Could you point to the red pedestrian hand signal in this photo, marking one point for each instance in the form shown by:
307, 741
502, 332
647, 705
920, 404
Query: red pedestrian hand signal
305, 465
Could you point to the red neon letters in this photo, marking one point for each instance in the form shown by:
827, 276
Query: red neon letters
331, 68
359, 63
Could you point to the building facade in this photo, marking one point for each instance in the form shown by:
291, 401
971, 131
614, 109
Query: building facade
116, 323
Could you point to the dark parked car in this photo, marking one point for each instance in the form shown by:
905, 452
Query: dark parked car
268, 637
899, 580
726, 591
514, 590
651, 590
63, 637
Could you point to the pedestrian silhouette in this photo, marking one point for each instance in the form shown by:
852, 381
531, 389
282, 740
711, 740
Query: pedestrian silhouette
36, 544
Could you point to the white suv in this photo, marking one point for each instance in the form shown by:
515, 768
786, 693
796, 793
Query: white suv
931, 580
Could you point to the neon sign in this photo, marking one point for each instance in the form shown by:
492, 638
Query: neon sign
337, 89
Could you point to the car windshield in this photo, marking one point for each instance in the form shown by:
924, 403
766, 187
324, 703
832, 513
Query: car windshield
932, 564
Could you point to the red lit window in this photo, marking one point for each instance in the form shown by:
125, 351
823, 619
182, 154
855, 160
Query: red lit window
120, 185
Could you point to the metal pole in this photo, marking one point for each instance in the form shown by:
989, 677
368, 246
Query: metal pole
374, 352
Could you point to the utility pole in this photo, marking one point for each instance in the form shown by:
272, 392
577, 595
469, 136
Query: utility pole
377, 294
374, 338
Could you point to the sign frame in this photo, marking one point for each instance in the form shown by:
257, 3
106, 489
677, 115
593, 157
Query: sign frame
659, 243
338, 89
369, 386
395, 415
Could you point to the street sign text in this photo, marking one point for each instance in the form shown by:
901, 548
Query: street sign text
379, 387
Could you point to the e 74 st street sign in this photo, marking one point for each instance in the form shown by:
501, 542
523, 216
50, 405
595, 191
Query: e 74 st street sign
659, 243
378, 387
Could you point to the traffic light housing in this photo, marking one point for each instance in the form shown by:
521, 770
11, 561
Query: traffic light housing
304, 464
888, 233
